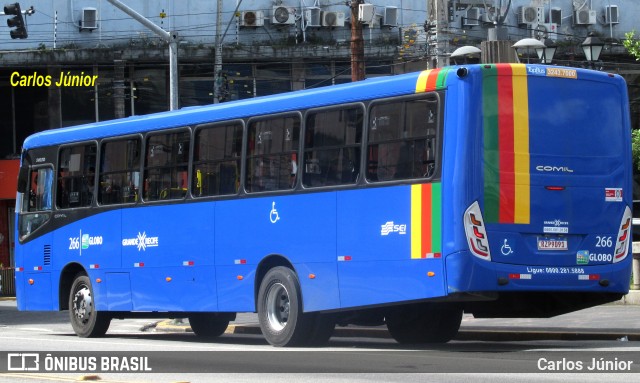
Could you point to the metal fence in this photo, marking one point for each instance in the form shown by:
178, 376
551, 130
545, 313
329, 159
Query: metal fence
7, 282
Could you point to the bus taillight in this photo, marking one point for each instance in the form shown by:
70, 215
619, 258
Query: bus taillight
622, 243
476, 232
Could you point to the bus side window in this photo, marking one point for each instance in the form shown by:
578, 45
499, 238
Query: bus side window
76, 176
36, 209
119, 172
332, 146
216, 160
166, 166
402, 139
272, 154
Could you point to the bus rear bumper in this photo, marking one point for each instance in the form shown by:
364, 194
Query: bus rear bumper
467, 273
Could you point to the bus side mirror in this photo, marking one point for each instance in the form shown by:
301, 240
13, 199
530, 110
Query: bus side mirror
23, 179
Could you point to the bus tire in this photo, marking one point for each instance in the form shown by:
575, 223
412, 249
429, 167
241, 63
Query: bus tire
209, 325
280, 309
424, 323
86, 321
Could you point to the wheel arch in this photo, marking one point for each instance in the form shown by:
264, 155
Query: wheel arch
268, 263
66, 281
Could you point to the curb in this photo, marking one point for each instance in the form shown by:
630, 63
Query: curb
632, 298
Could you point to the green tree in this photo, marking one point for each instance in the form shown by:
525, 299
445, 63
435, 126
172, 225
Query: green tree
635, 147
632, 44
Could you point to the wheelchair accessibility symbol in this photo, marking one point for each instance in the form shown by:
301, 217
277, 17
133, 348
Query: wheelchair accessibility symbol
506, 249
273, 214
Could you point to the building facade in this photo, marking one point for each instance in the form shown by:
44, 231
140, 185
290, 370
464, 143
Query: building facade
87, 60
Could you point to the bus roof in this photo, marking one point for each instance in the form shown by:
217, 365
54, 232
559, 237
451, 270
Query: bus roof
379, 87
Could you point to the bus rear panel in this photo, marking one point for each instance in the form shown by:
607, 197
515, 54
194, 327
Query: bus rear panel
549, 225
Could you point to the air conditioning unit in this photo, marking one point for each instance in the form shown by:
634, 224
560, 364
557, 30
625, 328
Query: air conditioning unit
252, 19
283, 15
584, 17
556, 16
471, 17
366, 13
312, 16
333, 19
89, 19
486, 18
545, 31
390, 17
611, 15
530, 15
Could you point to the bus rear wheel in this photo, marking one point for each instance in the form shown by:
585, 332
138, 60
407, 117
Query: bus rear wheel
280, 309
424, 323
87, 322
210, 325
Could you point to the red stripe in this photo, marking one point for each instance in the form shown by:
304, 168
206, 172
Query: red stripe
427, 214
432, 79
505, 144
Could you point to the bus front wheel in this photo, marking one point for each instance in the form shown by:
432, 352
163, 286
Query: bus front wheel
424, 323
87, 322
280, 309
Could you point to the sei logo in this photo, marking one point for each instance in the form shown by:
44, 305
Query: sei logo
391, 227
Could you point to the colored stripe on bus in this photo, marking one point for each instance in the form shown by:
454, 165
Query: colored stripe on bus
506, 144
426, 220
522, 212
432, 79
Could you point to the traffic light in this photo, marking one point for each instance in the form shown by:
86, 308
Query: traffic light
17, 21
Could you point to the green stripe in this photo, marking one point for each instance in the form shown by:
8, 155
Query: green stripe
442, 78
491, 153
436, 217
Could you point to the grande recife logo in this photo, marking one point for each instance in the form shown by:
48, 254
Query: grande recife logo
142, 241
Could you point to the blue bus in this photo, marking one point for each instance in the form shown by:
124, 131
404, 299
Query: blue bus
499, 190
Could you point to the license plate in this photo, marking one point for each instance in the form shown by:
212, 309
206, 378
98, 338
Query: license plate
552, 244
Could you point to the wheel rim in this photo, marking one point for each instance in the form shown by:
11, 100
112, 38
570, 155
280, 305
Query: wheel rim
82, 304
278, 306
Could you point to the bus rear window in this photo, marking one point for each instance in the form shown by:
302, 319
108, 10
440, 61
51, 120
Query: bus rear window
402, 141
584, 124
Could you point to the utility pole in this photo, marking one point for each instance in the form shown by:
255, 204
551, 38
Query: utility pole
357, 42
218, 55
170, 38
217, 70
437, 39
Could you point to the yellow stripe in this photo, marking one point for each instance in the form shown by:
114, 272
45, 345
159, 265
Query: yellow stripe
521, 143
416, 221
421, 85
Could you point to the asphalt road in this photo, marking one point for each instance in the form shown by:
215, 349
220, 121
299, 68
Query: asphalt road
181, 356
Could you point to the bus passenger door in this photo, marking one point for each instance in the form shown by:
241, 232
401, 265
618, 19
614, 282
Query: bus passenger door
33, 254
